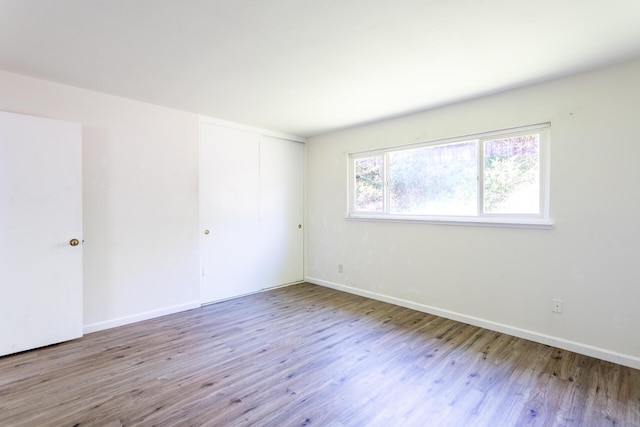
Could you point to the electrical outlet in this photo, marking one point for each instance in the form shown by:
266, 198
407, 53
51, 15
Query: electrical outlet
340, 268
556, 306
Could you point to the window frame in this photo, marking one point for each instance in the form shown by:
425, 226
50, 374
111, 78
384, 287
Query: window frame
539, 220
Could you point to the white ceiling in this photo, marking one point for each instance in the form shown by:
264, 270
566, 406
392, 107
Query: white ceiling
307, 67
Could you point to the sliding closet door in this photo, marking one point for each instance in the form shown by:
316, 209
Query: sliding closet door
229, 213
281, 210
40, 232
251, 206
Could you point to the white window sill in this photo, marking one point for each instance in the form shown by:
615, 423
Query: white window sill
509, 222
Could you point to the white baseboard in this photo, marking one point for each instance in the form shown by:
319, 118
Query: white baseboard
252, 293
120, 321
576, 347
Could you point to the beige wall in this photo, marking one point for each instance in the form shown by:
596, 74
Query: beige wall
505, 278
140, 178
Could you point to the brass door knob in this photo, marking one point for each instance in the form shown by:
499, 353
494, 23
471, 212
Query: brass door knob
299, 225
206, 231
74, 242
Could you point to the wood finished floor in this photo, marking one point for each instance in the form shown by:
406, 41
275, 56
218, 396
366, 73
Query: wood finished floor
311, 356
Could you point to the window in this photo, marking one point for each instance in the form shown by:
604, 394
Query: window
497, 177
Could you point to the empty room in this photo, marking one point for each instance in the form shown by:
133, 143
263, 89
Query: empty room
319, 213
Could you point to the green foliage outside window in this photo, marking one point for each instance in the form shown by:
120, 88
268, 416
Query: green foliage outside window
438, 180
444, 179
511, 175
369, 172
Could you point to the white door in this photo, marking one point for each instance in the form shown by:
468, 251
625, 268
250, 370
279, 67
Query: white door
229, 212
40, 214
251, 207
281, 210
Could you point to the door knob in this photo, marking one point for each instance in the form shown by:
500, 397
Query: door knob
206, 231
299, 225
74, 242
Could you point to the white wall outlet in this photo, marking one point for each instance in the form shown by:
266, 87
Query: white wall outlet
340, 268
556, 306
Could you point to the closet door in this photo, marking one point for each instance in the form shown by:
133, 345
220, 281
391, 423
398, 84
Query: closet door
229, 213
40, 232
251, 206
281, 210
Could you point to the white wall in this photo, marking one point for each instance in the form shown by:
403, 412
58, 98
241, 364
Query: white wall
140, 178
505, 278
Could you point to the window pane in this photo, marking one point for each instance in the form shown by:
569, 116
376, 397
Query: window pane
437, 180
512, 175
369, 173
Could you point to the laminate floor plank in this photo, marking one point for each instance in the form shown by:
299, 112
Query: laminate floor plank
306, 355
